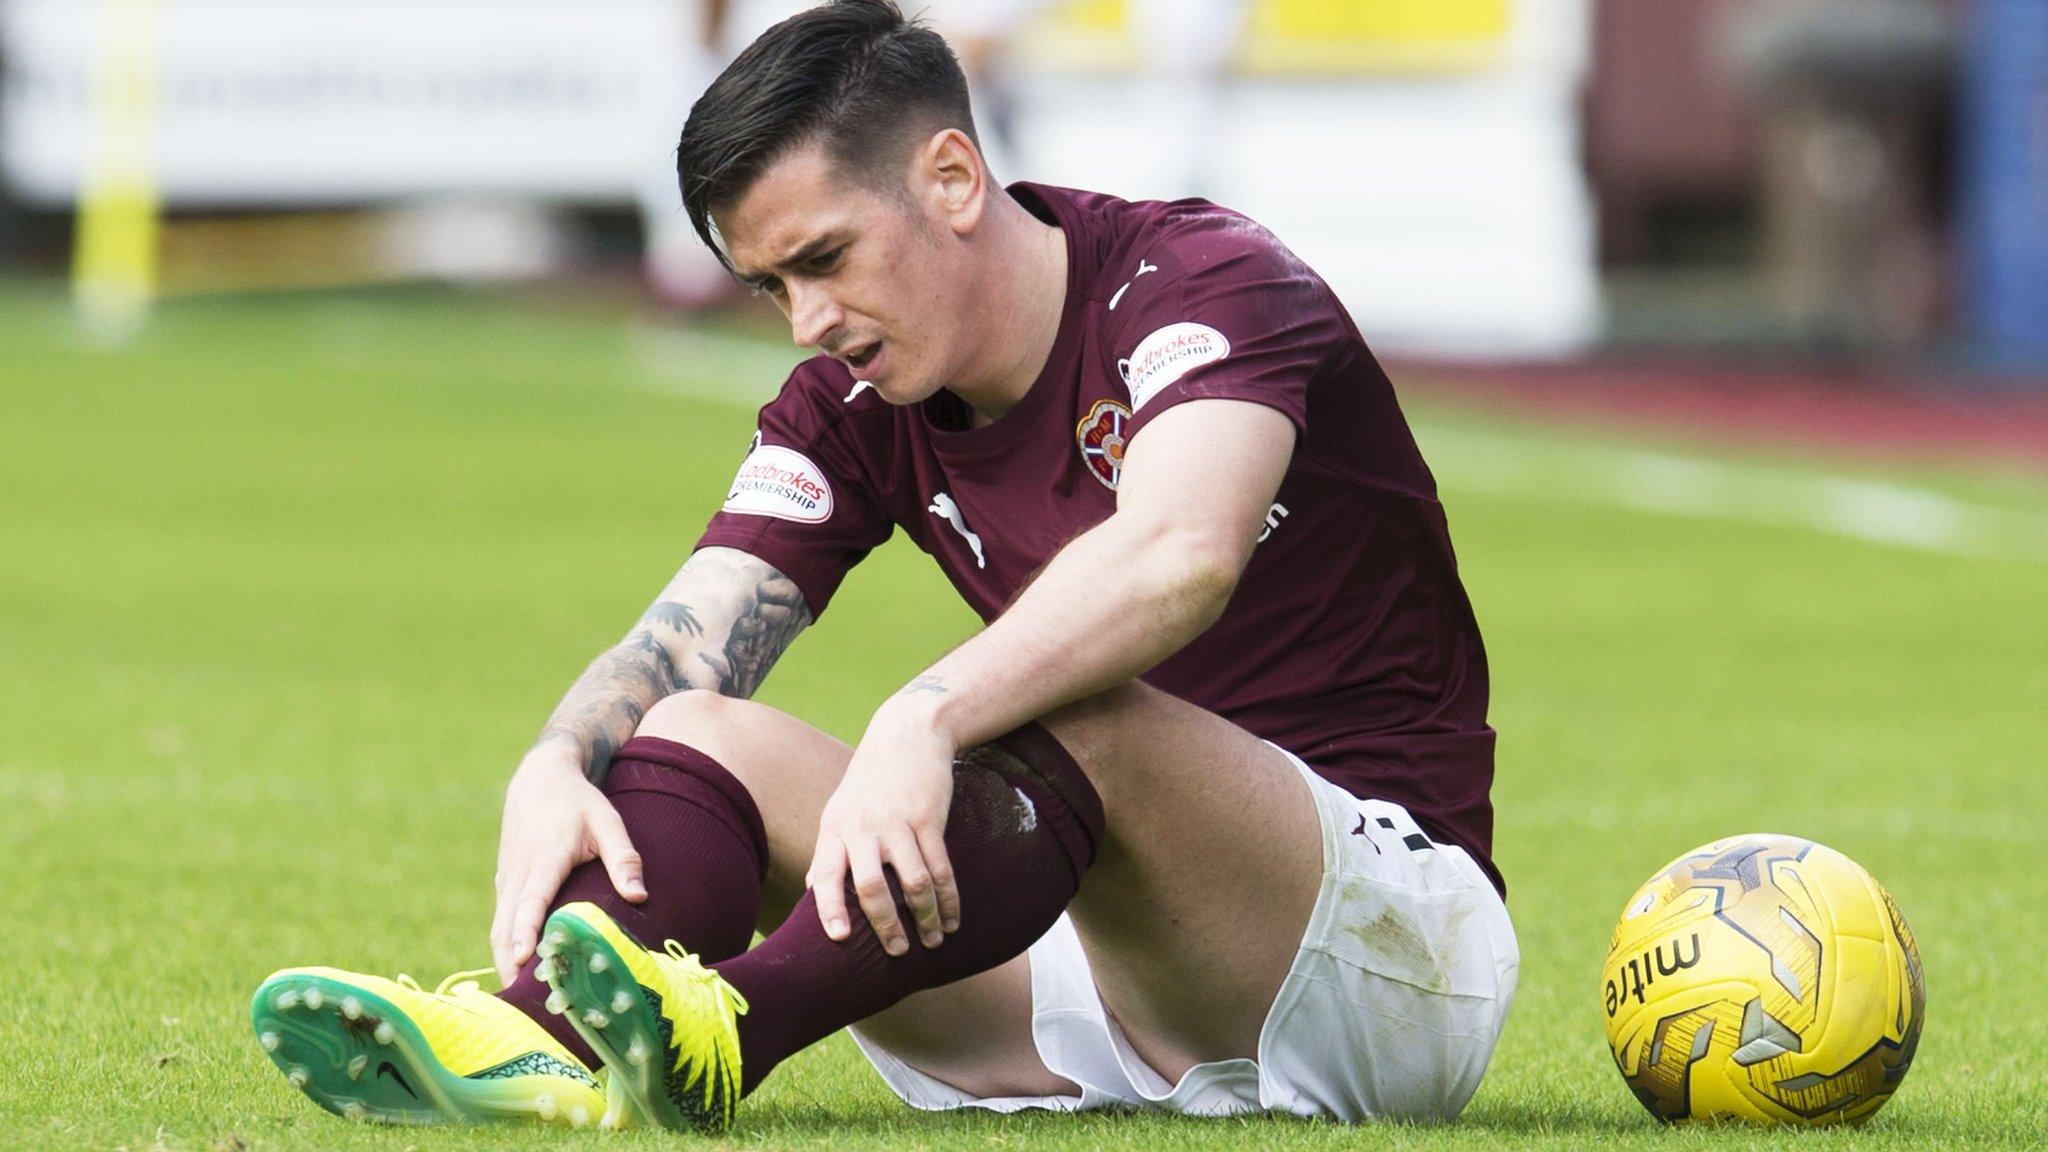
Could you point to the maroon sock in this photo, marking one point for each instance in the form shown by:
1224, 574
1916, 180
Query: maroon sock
1023, 828
703, 852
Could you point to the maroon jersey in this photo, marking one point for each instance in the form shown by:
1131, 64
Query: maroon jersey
1349, 640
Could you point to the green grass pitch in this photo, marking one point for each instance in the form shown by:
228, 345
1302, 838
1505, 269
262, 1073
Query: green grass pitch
287, 586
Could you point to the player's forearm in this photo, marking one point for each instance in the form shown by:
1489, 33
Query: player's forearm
1113, 603
605, 704
719, 627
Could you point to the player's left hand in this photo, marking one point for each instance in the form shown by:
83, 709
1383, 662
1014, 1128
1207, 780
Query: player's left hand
890, 811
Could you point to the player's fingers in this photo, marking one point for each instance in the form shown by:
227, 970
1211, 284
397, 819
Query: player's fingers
615, 848
541, 885
871, 887
827, 881
915, 879
509, 884
945, 885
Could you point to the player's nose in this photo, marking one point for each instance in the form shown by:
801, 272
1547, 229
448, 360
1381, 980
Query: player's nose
812, 315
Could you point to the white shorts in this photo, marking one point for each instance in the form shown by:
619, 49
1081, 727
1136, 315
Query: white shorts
1391, 1008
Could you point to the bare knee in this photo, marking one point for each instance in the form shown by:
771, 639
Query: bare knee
722, 727
1096, 723
1102, 731
1134, 739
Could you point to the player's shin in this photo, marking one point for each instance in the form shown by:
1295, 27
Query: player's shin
703, 850
1023, 827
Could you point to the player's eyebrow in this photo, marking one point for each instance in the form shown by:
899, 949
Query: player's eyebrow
809, 250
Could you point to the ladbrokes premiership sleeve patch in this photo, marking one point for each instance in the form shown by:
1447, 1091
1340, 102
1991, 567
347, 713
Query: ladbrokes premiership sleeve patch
1168, 354
783, 483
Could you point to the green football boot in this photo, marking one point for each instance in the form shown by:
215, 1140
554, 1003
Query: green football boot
666, 1026
369, 1048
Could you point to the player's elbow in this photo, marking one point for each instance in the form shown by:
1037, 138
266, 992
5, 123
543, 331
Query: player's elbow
1200, 569
1216, 575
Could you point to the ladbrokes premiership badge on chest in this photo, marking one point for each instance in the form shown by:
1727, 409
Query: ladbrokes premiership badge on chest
1100, 435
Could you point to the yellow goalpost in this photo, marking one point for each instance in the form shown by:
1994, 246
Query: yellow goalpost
115, 258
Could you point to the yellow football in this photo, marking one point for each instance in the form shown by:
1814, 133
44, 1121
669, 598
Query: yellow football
1763, 978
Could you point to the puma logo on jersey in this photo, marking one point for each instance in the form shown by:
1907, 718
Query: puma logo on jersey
943, 506
858, 385
1142, 269
1274, 516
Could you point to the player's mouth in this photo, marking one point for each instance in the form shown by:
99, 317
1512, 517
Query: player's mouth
861, 358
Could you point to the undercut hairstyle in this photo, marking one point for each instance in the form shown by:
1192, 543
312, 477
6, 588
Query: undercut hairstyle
853, 75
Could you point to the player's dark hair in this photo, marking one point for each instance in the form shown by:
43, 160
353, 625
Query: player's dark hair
855, 75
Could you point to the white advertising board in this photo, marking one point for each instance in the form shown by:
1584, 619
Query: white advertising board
1440, 193
350, 100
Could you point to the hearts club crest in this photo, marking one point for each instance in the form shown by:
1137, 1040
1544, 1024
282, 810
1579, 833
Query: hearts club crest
1100, 435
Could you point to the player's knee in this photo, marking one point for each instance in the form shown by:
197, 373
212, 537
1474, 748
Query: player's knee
715, 725
688, 713
1094, 730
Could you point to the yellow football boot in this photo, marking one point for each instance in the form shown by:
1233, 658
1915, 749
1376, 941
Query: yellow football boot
666, 1026
374, 1049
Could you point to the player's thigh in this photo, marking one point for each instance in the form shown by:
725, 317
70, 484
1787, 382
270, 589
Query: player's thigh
1203, 887
974, 1034
789, 767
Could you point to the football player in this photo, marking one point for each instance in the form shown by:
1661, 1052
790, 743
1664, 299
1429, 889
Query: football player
1199, 822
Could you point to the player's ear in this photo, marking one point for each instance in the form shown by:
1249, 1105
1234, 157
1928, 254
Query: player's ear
955, 179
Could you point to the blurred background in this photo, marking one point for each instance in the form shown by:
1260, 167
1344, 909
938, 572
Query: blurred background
1837, 182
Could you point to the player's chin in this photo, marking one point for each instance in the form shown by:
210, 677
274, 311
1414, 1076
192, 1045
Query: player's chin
900, 388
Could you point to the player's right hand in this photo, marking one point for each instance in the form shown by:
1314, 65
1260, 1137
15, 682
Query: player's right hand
555, 819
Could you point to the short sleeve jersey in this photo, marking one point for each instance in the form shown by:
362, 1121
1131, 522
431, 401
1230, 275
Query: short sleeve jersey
1349, 640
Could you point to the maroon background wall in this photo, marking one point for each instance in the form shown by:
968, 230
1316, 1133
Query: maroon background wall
1665, 125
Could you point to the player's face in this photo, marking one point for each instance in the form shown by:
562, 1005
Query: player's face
868, 277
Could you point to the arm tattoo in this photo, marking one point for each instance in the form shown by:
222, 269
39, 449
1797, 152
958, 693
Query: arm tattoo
674, 647
678, 617
775, 612
925, 683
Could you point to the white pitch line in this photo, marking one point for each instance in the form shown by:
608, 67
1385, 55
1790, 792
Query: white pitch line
709, 364
1860, 508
